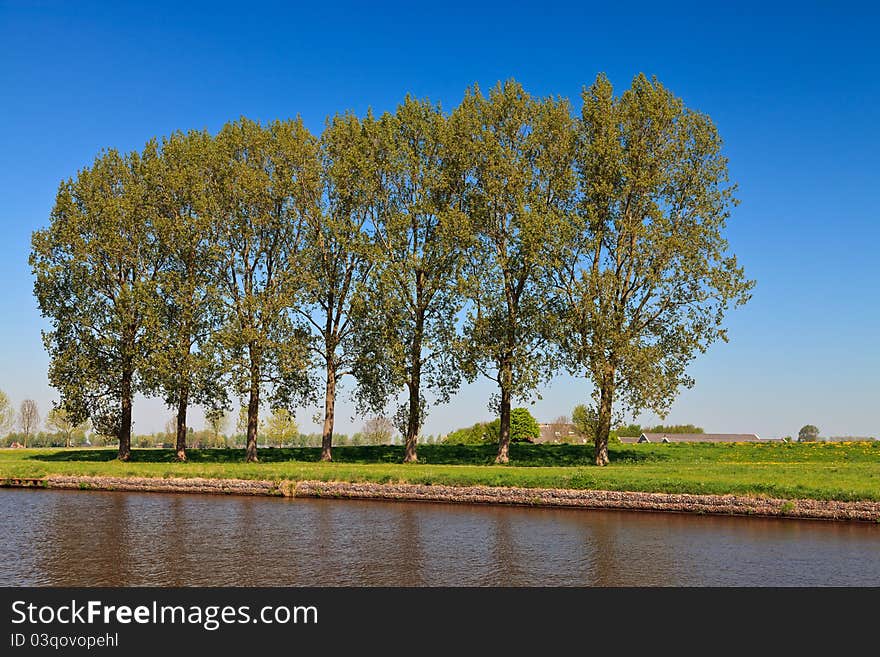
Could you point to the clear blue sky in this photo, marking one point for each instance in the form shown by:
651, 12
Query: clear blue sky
793, 89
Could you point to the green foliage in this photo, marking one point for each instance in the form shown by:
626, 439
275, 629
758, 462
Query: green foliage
268, 182
241, 424
95, 268
281, 428
481, 433
645, 278
410, 251
808, 433
182, 366
518, 153
336, 260
523, 426
672, 428
72, 433
407, 321
584, 419
631, 430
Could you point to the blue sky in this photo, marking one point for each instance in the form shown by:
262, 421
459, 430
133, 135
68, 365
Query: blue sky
793, 89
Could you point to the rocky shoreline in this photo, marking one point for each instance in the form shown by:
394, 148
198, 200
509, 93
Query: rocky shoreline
536, 497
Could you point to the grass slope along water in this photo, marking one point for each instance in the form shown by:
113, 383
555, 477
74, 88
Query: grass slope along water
815, 471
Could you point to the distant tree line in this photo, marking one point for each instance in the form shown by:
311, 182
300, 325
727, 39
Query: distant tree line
509, 238
638, 430
279, 430
22, 428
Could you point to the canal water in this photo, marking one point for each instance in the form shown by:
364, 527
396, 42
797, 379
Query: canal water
70, 538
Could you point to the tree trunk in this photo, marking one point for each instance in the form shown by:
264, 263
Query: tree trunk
253, 410
125, 420
252, 423
504, 437
603, 426
329, 413
412, 425
182, 404
414, 416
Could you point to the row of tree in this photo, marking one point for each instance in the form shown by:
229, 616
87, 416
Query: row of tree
279, 430
506, 238
27, 420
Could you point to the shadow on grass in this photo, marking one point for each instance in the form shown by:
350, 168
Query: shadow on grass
521, 454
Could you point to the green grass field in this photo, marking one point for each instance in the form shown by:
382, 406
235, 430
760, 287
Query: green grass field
827, 471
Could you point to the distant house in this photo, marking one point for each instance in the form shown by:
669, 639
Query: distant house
559, 433
628, 440
703, 438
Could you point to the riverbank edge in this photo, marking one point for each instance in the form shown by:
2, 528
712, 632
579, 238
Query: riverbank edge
535, 497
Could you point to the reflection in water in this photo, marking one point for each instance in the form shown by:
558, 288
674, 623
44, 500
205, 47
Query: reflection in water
605, 565
128, 539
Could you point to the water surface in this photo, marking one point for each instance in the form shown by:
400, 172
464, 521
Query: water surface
72, 538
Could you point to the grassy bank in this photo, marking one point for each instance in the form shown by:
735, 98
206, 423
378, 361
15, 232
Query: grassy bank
821, 471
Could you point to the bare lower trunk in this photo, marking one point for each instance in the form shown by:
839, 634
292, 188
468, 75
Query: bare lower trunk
253, 419
253, 408
329, 414
603, 425
410, 454
182, 405
125, 420
504, 437
414, 415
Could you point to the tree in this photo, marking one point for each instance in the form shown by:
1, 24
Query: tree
407, 327
101, 439
95, 268
335, 258
171, 427
808, 433
268, 184
281, 428
675, 428
584, 419
645, 278
241, 425
523, 426
7, 413
520, 180
58, 420
28, 418
631, 430
183, 367
217, 420
480, 433
377, 431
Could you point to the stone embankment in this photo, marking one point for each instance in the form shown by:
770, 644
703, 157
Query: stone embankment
537, 497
